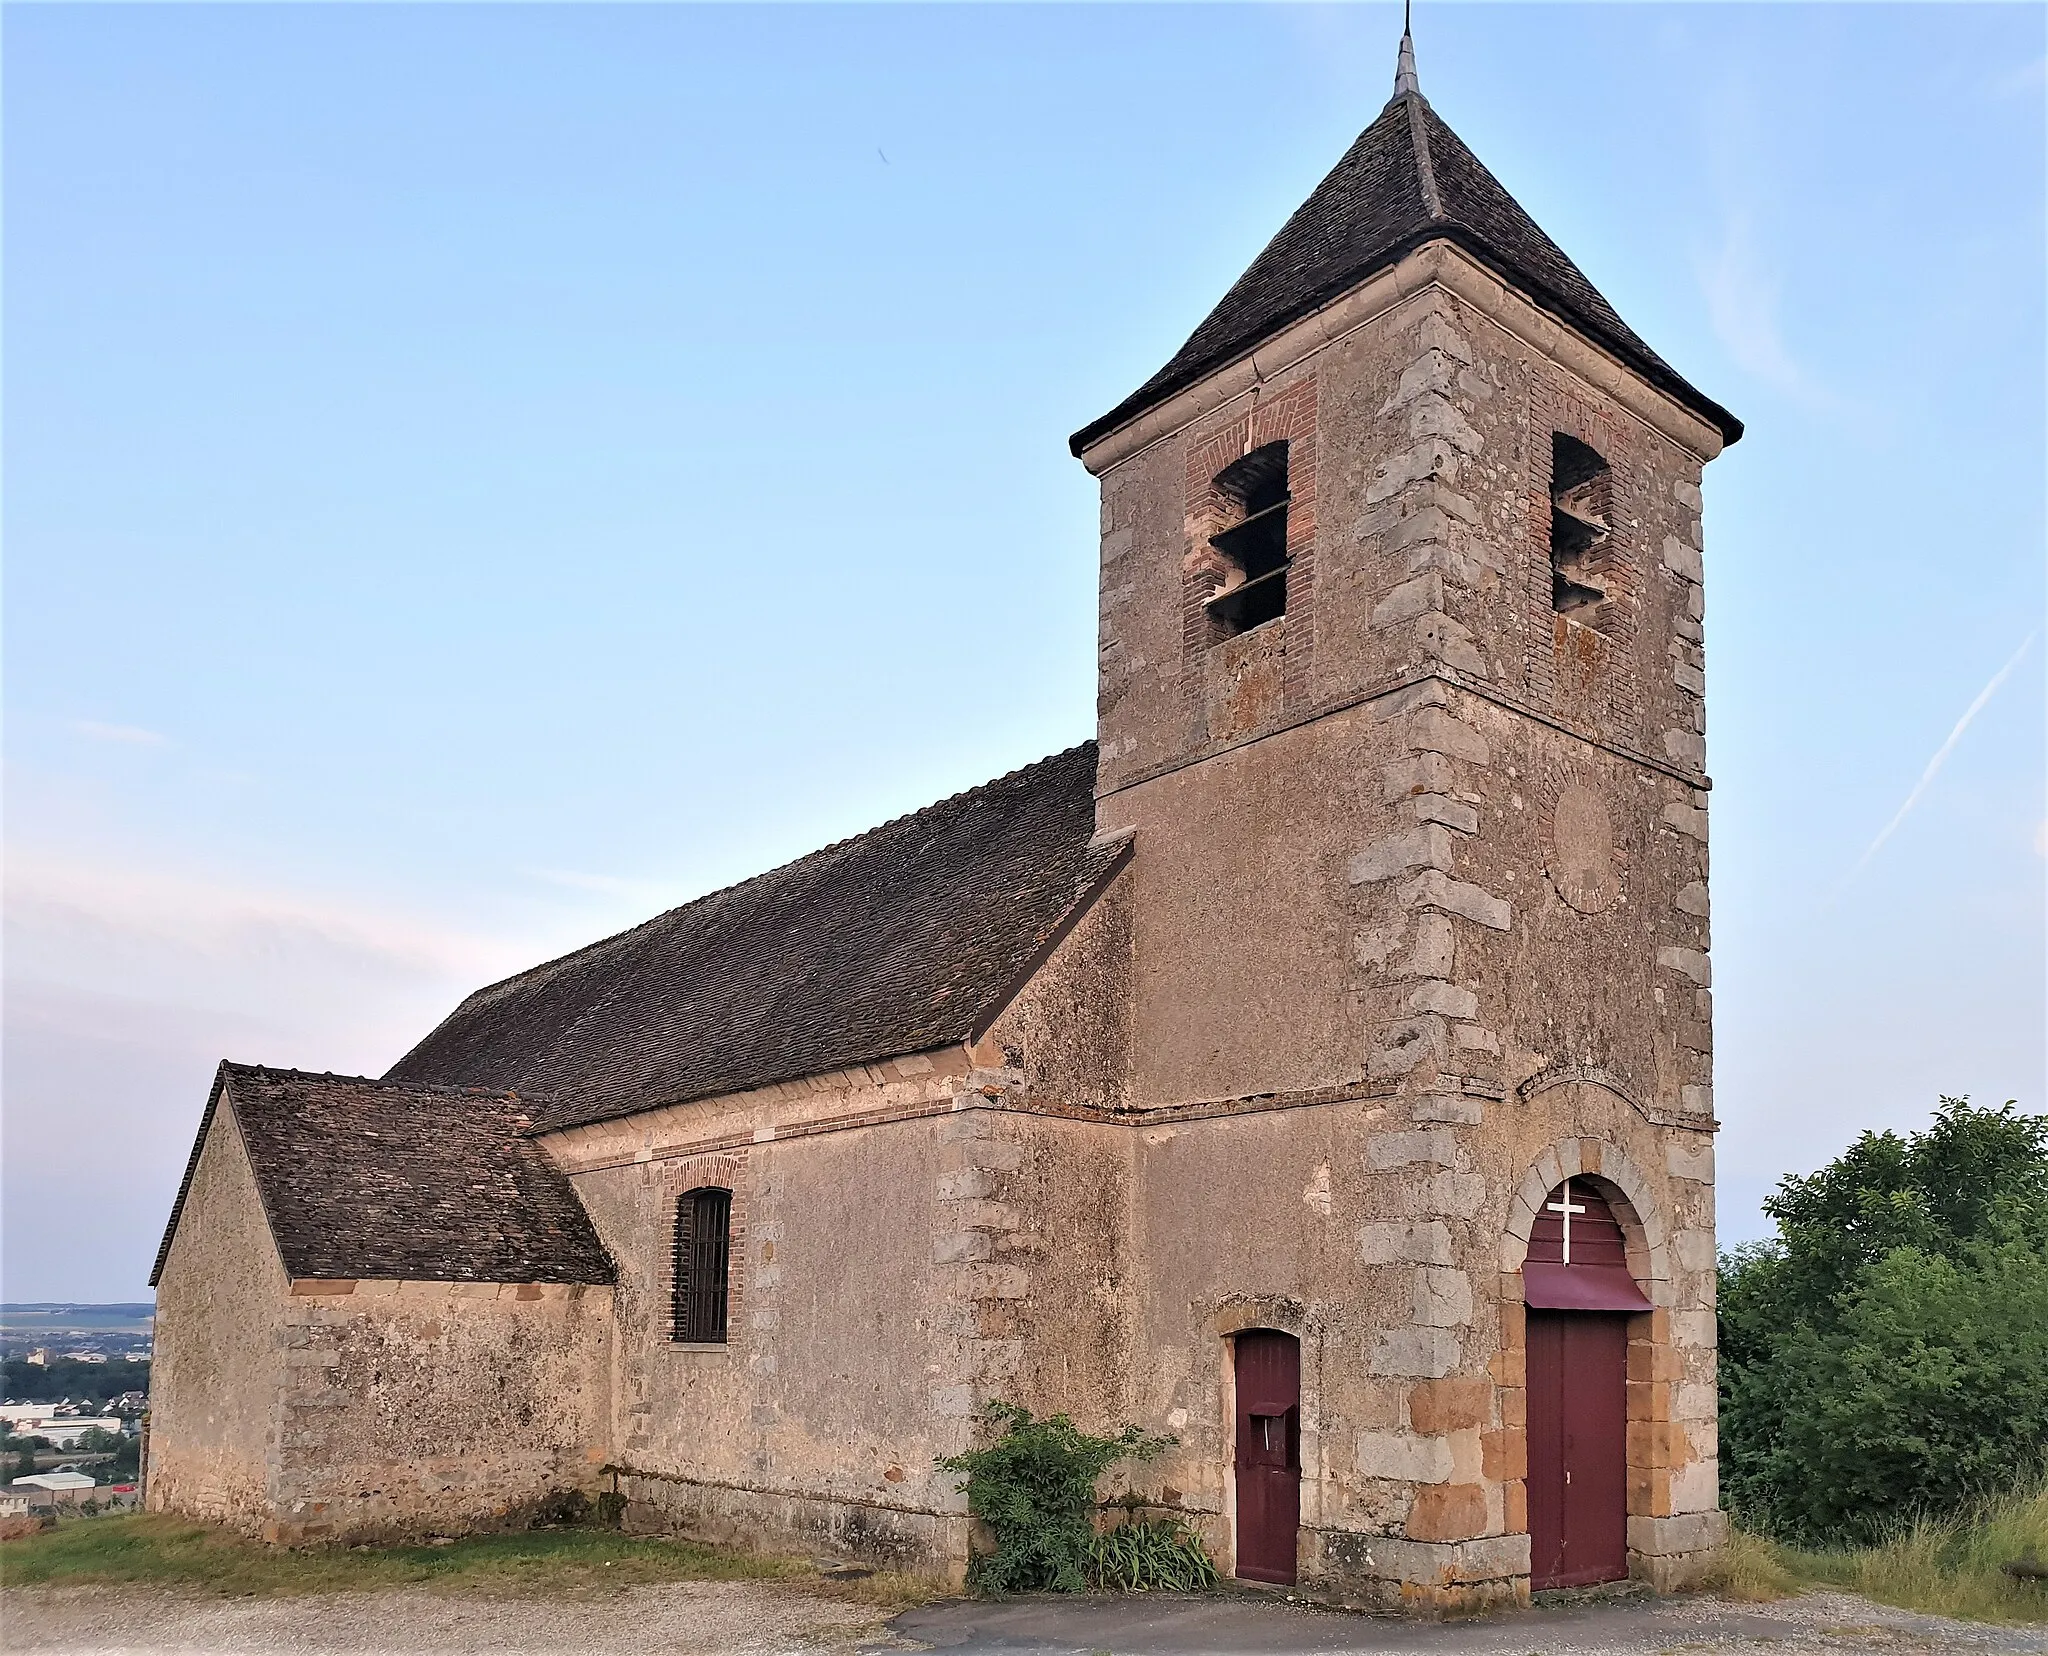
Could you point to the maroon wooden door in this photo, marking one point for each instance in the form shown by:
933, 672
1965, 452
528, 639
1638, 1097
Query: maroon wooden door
1268, 1460
1578, 1448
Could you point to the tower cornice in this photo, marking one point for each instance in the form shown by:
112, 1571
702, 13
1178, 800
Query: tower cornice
1441, 260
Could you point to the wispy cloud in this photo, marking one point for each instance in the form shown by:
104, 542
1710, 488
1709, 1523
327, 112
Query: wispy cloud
2026, 77
609, 884
630, 900
128, 981
1940, 758
128, 735
173, 936
1742, 301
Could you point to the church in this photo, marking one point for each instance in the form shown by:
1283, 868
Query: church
1315, 1066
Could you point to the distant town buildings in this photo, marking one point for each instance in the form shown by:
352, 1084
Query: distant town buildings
61, 1423
51, 1489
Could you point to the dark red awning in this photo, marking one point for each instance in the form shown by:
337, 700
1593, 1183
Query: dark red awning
1581, 1288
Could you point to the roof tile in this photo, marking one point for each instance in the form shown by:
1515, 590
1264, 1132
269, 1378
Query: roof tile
899, 941
394, 1182
1408, 179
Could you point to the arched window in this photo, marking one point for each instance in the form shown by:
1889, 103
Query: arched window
703, 1255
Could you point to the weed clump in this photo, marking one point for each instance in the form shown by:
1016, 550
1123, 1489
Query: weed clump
1151, 1555
1033, 1487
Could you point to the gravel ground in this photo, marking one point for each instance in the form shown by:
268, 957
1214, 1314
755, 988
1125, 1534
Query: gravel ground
692, 1618
773, 1619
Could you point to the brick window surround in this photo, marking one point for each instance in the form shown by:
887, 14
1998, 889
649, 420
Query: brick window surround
1287, 416
1583, 666
673, 1180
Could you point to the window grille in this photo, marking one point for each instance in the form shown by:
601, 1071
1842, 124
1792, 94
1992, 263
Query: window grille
703, 1256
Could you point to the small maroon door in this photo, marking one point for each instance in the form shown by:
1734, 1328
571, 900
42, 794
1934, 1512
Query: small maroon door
1268, 1458
1578, 1447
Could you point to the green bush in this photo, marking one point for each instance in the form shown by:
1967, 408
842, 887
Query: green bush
1034, 1487
1885, 1359
1151, 1554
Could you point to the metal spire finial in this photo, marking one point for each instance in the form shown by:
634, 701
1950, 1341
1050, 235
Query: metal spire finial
1404, 69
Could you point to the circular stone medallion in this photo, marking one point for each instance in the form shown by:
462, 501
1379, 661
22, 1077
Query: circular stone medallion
1583, 865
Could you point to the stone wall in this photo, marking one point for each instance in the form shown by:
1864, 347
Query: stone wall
411, 1408
1420, 922
847, 1373
314, 1410
911, 1241
218, 1376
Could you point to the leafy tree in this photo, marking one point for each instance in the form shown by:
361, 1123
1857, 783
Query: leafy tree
31, 1441
66, 1377
1034, 1487
127, 1462
1887, 1354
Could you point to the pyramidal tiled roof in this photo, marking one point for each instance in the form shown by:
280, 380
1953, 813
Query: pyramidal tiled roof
904, 939
1408, 180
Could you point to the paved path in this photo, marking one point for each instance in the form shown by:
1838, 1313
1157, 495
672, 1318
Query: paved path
1239, 1625
769, 1619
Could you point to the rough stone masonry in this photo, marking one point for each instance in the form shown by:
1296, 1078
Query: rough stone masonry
1375, 915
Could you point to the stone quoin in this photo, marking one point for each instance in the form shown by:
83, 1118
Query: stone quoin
1232, 1073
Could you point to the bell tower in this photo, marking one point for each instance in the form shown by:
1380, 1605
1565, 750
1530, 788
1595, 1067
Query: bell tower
1401, 700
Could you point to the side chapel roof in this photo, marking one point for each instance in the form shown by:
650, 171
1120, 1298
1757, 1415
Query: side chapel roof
395, 1182
1406, 181
909, 937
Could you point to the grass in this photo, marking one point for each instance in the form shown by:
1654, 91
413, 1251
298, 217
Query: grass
1942, 1567
153, 1550
1754, 1570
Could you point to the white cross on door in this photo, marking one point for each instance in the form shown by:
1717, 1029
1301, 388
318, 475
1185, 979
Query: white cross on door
1567, 1207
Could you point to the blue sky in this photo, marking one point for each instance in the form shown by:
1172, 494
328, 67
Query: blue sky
477, 476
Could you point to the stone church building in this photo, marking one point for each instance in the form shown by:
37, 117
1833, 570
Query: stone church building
1315, 1066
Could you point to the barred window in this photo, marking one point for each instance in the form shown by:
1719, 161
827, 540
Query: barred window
703, 1253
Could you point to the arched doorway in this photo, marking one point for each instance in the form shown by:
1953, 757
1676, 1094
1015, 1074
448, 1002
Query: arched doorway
1267, 1460
1580, 1295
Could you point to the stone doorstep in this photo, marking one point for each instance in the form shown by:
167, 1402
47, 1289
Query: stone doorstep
1600, 1592
1398, 1561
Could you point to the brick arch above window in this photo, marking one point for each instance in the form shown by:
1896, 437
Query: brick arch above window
1277, 417
674, 1181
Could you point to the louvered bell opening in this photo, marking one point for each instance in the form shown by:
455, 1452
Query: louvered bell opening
1255, 547
1580, 487
703, 1258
